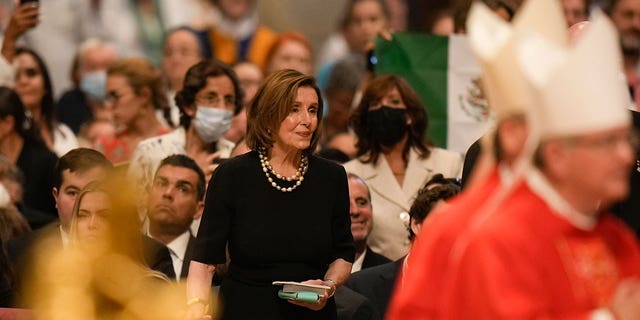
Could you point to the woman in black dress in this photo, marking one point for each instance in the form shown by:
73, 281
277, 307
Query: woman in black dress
283, 212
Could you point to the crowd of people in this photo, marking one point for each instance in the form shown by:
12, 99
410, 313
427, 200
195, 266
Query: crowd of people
199, 160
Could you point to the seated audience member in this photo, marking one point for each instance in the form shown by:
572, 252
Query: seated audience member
102, 273
443, 24
183, 48
134, 91
291, 50
361, 224
33, 85
394, 158
175, 199
363, 20
94, 129
72, 173
23, 148
353, 306
340, 90
250, 78
209, 98
86, 101
377, 283
13, 223
238, 36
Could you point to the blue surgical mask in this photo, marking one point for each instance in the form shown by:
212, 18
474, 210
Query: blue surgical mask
94, 84
211, 123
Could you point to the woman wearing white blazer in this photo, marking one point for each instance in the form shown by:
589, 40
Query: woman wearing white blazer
394, 158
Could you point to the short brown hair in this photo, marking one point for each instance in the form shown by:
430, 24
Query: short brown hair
196, 79
272, 103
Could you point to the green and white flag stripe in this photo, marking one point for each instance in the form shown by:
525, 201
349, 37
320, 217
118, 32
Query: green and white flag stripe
445, 75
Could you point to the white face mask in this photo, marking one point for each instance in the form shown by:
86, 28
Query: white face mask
211, 123
95, 85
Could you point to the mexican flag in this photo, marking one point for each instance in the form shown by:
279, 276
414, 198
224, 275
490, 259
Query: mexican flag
445, 74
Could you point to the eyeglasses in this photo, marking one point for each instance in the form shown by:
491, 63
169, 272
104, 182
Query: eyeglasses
114, 96
213, 100
607, 142
28, 72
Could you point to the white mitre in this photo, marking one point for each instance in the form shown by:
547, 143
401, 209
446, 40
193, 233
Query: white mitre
581, 89
494, 43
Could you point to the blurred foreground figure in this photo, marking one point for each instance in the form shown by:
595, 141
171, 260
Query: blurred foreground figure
102, 274
508, 96
551, 250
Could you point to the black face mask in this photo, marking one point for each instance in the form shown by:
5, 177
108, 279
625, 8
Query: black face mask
387, 125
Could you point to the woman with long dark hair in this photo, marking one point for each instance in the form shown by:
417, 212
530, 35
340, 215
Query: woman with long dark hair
394, 158
24, 148
33, 85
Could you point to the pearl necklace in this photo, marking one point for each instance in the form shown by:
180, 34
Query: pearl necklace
268, 170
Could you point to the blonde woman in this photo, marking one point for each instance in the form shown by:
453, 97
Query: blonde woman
134, 93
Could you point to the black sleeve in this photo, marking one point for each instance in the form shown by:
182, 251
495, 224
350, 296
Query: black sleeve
216, 220
343, 246
470, 159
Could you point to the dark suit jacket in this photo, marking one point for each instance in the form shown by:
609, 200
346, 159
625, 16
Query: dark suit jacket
372, 259
157, 257
376, 284
354, 306
629, 209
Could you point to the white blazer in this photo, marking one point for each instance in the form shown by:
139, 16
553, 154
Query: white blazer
391, 202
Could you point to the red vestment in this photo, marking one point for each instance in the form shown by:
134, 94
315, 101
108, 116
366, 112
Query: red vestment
529, 262
418, 293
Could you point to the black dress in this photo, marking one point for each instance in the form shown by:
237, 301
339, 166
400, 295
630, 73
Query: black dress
37, 163
273, 235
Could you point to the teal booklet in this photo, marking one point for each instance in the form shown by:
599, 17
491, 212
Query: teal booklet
300, 292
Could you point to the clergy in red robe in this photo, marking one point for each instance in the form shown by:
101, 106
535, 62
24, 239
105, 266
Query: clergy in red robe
550, 251
425, 278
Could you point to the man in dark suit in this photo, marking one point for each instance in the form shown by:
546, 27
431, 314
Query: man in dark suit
73, 172
361, 214
354, 306
175, 199
377, 283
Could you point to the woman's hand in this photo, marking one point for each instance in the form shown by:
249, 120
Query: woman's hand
319, 305
23, 18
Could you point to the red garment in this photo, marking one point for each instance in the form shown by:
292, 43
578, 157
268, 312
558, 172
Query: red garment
528, 262
116, 149
418, 294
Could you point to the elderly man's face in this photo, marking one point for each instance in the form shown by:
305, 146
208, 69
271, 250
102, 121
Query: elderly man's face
596, 166
360, 210
626, 17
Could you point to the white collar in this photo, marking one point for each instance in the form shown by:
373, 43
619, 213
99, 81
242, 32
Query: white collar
64, 236
178, 246
541, 186
357, 265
